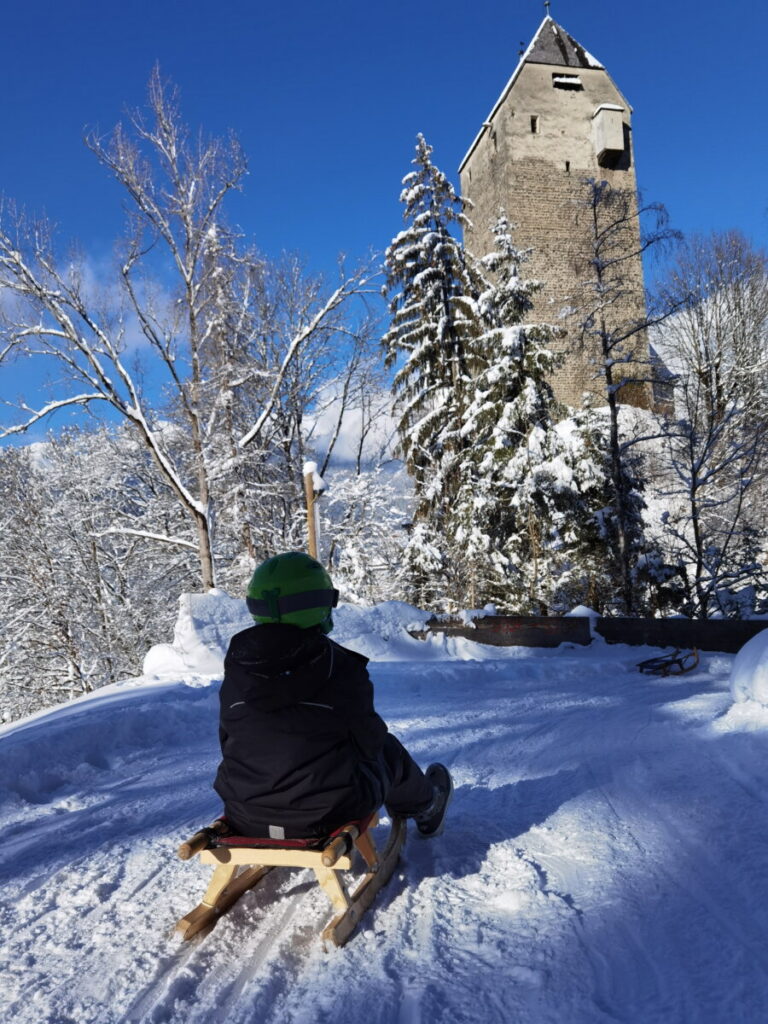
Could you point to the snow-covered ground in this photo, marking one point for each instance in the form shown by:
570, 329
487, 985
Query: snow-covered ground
606, 857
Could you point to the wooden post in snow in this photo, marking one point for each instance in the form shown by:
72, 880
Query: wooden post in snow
311, 492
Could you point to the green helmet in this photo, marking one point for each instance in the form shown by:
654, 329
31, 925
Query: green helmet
294, 589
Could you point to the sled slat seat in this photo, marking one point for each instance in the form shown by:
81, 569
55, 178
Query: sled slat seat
271, 856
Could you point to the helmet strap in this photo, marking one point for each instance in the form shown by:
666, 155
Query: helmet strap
272, 606
272, 598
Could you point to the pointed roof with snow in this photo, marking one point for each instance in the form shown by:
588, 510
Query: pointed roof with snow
553, 45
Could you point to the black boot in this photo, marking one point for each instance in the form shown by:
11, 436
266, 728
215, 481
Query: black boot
430, 822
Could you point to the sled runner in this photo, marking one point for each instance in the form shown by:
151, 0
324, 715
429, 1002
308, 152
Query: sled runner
241, 862
673, 664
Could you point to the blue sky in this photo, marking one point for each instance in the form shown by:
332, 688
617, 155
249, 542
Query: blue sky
327, 100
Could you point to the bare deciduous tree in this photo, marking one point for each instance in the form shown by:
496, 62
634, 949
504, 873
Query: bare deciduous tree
719, 284
183, 286
716, 442
83, 593
614, 321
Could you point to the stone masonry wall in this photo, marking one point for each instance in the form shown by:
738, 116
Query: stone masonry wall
535, 170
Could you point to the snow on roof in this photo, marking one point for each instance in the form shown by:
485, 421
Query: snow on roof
608, 106
553, 45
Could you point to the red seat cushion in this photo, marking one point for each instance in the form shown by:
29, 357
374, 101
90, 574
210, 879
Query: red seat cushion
289, 844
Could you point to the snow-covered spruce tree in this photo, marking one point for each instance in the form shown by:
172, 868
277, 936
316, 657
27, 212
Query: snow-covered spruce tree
612, 539
563, 549
510, 397
432, 333
472, 385
556, 551
362, 516
424, 571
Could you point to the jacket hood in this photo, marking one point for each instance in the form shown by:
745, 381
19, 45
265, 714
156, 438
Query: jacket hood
275, 665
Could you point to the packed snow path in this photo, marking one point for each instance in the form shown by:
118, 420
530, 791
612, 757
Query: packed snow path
606, 859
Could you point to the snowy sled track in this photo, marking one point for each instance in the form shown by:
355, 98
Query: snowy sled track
606, 859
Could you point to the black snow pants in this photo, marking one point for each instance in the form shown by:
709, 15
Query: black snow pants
406, 789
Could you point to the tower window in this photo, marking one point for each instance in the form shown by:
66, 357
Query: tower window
572, 82
567, 166
535, 124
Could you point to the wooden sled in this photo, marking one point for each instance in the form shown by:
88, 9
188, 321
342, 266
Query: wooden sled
674, 664
328, 861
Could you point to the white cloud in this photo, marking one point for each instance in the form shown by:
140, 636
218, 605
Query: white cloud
380, 440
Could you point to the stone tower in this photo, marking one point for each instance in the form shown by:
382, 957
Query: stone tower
559, 121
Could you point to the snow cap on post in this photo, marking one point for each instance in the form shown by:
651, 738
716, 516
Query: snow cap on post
318, 484
313, 487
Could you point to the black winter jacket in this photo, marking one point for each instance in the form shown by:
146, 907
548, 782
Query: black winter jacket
301, 742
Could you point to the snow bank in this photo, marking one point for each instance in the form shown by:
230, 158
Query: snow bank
749, 675
51, 754
380, 631
207, 622
205, 625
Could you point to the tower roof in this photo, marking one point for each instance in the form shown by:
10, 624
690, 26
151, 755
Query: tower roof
553, 45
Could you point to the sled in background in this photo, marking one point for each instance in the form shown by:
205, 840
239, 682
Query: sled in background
240, 863
674, 664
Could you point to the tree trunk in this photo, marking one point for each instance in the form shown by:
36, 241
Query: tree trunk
205, 552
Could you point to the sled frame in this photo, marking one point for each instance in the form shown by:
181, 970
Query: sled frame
674, 664
229, 882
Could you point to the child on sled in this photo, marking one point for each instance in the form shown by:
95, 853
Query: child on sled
303, 749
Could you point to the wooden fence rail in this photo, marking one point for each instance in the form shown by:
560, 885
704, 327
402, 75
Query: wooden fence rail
727, 635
